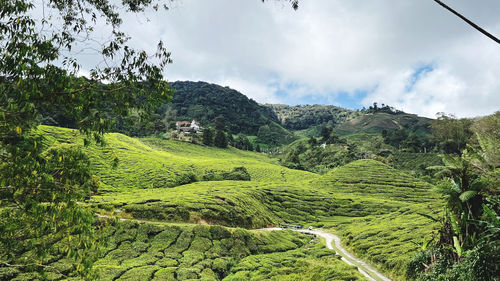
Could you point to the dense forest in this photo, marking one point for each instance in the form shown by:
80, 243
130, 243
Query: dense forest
204, 102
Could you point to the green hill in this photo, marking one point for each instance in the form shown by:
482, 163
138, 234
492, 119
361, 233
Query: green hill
379, 121
300, 117
372, 206
387, 238
154, 163
203, 101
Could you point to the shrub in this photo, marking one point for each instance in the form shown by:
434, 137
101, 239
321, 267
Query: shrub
185, 178
238, 173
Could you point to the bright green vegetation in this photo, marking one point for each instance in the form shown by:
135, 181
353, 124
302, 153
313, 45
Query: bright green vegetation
391, 234
371, 205
162, 252
377, 180
147, 251
313, 262
154, 163
415, 163
250, 205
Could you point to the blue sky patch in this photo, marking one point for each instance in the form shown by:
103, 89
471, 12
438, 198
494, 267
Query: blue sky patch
417, 75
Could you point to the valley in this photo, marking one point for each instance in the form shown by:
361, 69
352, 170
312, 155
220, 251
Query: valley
371, 206
291, 140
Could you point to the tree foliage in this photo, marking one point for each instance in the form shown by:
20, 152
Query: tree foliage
274, 134
204, 102
242, 142
306, 116
208, 136
220, 139
451, 134
40, 186
468, 243
309, 155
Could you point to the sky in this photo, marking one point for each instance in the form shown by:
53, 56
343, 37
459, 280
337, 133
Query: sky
413, 55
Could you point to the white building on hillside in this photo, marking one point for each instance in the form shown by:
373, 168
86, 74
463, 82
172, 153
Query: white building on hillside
188, 127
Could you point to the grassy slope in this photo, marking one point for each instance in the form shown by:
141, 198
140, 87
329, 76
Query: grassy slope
371, 205
388, 239
154, 163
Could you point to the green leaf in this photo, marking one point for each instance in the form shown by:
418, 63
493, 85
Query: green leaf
466, 196
458, 247
491, 214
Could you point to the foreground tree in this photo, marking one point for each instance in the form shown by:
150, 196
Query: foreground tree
468, 242
40, 186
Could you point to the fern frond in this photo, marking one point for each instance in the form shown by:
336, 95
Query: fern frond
467, 195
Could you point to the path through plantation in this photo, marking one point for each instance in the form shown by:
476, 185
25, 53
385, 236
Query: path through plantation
368, 271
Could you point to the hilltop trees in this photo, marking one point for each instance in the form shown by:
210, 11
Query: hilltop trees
451, 134
39, 188
309, 155
274, 134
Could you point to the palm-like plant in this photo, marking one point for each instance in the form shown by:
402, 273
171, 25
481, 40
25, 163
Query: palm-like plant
462, 189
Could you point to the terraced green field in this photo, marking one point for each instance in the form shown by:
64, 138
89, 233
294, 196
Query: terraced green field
372, 206
387, 239
155, 163
147, 251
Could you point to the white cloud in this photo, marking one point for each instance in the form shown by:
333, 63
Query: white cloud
332, 46
261, 93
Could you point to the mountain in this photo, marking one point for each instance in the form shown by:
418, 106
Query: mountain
377, 122
300, 117
346, 121
204, 102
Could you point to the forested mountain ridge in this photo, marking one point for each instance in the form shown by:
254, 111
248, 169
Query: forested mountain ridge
301, 117
379, 121
204, 102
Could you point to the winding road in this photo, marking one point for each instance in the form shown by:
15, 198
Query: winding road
368, 271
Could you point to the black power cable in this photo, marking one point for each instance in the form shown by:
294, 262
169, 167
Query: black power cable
491, 36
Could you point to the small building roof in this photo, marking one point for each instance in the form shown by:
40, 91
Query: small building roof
183, 123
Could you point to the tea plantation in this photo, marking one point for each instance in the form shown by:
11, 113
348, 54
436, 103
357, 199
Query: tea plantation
147, 251
373, 207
